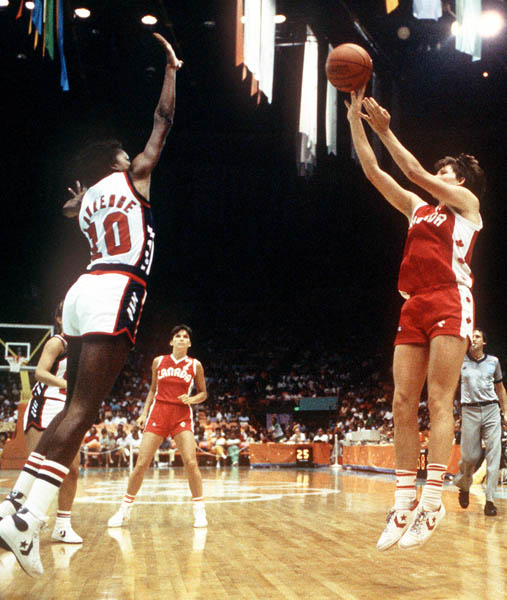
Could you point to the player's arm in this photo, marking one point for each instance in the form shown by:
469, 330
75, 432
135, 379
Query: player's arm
200, 385
400, 198
144, 163
456, 196
50, 353
72, 207
141, 420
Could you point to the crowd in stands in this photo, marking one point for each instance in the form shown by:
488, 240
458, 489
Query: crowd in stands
253, 389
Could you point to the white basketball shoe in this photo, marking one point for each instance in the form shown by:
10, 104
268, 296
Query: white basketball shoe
423, 525
121, 517
397, 522
19, 534
199, 514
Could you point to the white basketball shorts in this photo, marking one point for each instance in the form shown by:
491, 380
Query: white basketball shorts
103, 304
40, 412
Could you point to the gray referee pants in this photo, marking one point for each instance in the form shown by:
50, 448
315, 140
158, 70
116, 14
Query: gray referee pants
480, 423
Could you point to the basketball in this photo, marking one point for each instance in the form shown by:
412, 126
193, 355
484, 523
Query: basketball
348, 67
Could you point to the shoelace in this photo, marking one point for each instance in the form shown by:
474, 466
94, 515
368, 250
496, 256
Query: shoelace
418, 521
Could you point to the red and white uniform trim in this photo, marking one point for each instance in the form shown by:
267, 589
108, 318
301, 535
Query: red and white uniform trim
118, 224
174, 378
168, 414
438, 250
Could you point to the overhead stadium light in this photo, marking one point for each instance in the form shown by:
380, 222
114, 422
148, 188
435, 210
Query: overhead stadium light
29, 5
4, 3
82, 12
149, 20
491, 23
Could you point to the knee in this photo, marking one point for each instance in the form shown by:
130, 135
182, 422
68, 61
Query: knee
142, 463
191, 464
404, 409
440, 406
73, 473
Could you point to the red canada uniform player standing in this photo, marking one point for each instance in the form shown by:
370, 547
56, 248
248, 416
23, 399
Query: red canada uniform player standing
168, 412
436, 321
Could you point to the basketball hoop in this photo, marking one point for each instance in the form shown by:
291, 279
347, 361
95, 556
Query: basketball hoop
15, 363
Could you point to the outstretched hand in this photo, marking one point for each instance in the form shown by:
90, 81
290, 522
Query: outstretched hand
378, 118
71, 207
172, 61
355, 104
79, 192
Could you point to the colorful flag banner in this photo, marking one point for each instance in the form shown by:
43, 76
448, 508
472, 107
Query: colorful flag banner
64, 78
47, 21
391, 5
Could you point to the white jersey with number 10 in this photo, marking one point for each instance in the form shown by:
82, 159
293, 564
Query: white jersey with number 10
118, 224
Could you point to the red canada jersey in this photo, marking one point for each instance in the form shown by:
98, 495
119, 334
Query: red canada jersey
174, 378
438, 250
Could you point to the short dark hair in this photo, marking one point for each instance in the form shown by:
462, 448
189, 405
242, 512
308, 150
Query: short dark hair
177, 328
466, 166
483, 333
94, 161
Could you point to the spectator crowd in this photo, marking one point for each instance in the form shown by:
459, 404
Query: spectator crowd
254, 391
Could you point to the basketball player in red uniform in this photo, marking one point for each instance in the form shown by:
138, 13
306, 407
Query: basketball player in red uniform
48, 399
436, 322
168, 411
102, 309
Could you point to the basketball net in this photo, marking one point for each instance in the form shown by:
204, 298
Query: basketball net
15, 363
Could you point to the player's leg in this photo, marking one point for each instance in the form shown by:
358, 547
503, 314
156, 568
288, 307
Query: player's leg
185, 443
409, 371
492, 433
63, 531
101, 360
445, 359
17, 496
149, 445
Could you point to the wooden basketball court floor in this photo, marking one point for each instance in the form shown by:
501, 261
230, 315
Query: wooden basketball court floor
272, 534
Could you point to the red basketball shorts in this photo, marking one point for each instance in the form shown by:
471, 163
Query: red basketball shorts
167, 418
444, 311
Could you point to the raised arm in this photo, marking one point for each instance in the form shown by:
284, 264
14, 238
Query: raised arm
144, 163
72, 207
400, 198
456, 196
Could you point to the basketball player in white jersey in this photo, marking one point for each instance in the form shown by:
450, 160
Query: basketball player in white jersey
436, 321
48, 399
101, 311
168, 411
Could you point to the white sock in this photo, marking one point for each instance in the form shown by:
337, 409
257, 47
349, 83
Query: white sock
128, 501
198, 503
63, 519
405, 489
28, 474
45, 488
431, 497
